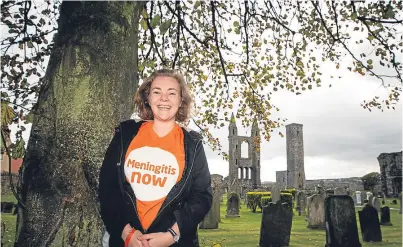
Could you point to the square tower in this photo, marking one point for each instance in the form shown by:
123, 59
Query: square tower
295, 156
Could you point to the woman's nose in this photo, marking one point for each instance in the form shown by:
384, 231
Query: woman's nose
164, 97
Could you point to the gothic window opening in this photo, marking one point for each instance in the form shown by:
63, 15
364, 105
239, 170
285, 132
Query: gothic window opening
245, 149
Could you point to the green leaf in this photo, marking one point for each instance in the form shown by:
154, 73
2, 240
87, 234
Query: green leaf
155, 21
354, 16
165, 26
370, 38
19, 149
7, 114
143, 24
369, 61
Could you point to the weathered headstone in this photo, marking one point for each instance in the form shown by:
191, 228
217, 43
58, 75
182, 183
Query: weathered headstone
368, 195
275, 194
316, 209
370, 226
300, 202
375, 203
7, 207
340, 191
341, 224
400, 200
212, 219
370, 200
276, 225
358, 197
233, 205
385, 216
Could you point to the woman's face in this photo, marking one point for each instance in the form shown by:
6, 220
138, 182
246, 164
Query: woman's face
164, 98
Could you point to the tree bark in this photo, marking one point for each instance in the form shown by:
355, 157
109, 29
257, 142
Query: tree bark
89, 87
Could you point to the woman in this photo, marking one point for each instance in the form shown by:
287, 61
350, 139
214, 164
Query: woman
154, 184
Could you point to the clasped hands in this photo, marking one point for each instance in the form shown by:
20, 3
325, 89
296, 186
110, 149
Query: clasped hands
158, 239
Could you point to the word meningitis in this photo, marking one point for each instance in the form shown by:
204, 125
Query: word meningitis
157, 169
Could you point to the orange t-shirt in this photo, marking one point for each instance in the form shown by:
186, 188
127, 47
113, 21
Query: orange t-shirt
153, 165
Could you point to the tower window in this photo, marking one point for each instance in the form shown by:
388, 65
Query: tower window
233, 131
236, 161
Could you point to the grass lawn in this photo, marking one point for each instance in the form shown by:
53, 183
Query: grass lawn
244, 231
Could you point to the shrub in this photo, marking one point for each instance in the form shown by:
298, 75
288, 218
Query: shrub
284, 197
253, 199
264, 201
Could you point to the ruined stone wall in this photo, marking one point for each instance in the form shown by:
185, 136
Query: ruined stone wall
390, 165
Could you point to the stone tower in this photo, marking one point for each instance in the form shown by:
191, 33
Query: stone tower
244, 172
295, 156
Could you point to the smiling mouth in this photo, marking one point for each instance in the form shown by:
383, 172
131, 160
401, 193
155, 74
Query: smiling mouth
165, 108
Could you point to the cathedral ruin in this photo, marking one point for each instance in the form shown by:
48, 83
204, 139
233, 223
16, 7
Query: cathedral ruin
244, 172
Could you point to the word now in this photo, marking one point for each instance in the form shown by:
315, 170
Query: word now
148, 179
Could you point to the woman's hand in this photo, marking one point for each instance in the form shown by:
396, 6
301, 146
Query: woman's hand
135, 242
158, 239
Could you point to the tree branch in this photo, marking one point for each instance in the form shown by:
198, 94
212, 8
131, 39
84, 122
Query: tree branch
342, 43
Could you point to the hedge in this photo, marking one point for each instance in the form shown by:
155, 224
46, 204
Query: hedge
284, 197
253, 199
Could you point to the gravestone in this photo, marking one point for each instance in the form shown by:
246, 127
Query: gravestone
368, 195
358, 197
233, 206
316, 209
276, 225
340, 191
300, 202
375, 203
341, 224
212, 218
275, 194
7, 207
370, 226
400, 200
385, 216
370, 200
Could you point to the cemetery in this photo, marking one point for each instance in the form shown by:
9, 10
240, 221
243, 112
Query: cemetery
73, 70
245, 213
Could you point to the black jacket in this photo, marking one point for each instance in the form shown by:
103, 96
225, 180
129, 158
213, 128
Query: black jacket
187, 203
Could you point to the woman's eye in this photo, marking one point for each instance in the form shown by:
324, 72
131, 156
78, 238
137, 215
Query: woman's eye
172, 94
155, 92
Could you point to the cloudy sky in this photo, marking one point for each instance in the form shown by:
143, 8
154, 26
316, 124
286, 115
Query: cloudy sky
341, 139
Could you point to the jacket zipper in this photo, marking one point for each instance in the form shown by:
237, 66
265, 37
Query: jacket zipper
120, 170
191, 167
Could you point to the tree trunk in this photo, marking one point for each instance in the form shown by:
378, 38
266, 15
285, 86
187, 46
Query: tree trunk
89, 87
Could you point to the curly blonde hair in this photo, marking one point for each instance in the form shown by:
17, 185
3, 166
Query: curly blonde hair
140, 100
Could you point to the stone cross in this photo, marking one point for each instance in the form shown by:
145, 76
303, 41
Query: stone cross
369, 222
341, 224
276, 225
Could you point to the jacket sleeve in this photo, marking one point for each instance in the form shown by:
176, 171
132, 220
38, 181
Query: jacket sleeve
198, 204
110, 195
